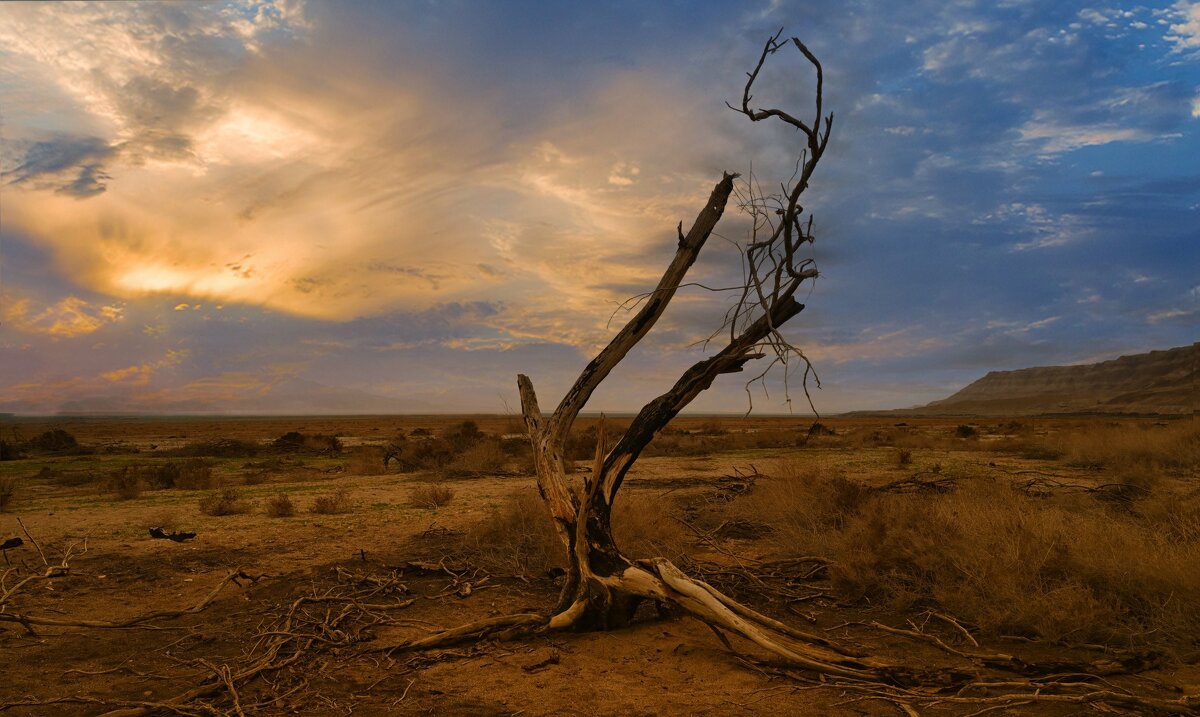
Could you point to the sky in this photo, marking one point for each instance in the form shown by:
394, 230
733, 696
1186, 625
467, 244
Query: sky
289, 206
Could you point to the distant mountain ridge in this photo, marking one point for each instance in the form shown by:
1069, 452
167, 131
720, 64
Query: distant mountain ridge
1163, 382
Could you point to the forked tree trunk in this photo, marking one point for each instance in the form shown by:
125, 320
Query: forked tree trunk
603, 587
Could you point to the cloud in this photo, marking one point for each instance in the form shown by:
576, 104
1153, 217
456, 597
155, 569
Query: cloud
344, 181
70, 317
1184, 34
74, 166
140, 374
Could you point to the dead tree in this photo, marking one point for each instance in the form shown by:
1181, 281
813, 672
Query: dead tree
604, 587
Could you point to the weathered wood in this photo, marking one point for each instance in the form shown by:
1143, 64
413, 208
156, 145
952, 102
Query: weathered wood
603, 588
597, 370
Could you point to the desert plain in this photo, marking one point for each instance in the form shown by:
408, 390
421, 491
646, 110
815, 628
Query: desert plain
1062, 542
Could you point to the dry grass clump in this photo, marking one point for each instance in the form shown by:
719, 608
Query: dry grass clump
281, 506
224, 502
1065, 568
516, 538
1137, 452
431, 496
642, 529
332, 503
8, 493
1134, 450
480, 458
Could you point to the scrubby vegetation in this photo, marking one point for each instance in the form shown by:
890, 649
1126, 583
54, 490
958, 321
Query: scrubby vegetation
224, 502
332, 503
294, 442
431, 496
281, 506
518, 538
1050, 566
1052, 539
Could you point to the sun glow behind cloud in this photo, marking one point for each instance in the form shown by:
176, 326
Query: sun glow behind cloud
348, 184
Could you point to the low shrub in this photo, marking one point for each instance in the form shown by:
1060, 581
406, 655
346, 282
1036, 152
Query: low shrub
962, 430
642, 529
281, 506
422, 453
56, 440
224, 502
463, 436
903, 457
482, 458
331, 503
294, 441
431, 496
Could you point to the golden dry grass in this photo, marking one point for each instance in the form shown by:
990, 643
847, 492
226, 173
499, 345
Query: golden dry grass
333, 503
1067, 567
224, 502
281, 506
431, 496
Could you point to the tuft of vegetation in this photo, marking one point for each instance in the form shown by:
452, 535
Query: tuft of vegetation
224, 502
518, 537
643, 530
962, 430
903, 457
431, 496
281, 506
515, 538
332, 503
482, 458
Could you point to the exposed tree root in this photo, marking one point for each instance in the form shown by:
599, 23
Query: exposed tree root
28, 621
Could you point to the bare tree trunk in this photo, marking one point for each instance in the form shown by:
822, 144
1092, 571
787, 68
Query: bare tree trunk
603, 587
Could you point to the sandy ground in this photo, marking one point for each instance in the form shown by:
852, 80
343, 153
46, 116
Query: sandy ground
655, 667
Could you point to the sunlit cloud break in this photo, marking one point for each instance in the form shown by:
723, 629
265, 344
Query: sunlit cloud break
416, 202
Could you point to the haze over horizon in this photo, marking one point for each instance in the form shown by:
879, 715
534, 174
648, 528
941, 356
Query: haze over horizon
208, 204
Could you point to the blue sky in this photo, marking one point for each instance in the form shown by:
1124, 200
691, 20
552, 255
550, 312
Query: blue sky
213, 206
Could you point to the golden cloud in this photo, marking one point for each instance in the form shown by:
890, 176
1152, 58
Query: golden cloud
140, 374
67, 318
